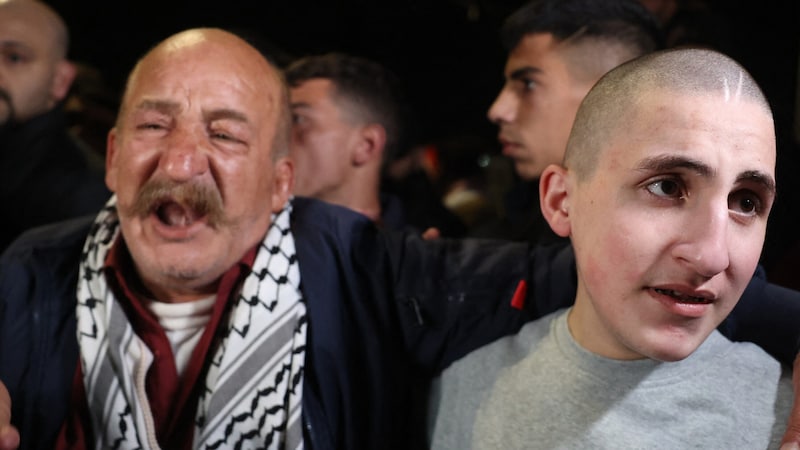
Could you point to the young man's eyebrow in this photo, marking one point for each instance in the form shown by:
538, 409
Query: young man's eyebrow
523, 72
755, 176
666, 163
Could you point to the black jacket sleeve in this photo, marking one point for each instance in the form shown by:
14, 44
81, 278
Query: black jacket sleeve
38, 348
768, 315
454, 296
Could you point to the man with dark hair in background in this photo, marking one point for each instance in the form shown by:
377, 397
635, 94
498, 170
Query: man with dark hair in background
557, 50
350, 120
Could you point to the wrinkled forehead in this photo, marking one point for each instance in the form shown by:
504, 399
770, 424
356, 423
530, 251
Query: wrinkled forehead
197, 70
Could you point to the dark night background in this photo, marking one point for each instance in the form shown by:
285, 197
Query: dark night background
447, 53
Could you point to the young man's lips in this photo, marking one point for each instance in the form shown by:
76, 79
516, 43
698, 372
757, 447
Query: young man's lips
504, 141
508, 147
683, 302
684, 297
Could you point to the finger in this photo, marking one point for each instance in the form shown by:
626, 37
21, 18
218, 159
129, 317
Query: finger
9, 436
5, 406
431, 233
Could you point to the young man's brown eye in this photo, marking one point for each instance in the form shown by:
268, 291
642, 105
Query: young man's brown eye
745, 203
529, 84
665, 188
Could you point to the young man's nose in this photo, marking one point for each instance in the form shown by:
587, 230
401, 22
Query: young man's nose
704, 243
504, 108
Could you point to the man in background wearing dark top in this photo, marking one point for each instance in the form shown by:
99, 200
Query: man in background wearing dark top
557, 50
45, 175
349, 121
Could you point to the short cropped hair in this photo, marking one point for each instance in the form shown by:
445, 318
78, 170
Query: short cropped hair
692, 71
623, 22
371, 91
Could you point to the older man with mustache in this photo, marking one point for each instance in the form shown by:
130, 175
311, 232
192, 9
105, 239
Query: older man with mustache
210, 309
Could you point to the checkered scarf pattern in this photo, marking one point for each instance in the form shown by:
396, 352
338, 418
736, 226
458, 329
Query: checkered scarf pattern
253, 385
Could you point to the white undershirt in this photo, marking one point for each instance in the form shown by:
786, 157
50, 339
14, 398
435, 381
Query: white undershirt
184, 324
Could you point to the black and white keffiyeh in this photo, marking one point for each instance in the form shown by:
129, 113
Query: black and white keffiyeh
253, 386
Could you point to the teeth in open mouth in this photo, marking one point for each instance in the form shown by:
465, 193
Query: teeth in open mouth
681, 297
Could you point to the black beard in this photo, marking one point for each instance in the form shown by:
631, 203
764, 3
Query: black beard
6, 98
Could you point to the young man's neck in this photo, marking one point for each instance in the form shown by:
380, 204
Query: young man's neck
360, 195
587, 330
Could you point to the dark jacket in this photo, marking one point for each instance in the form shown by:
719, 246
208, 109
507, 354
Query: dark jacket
386, 312
46, 177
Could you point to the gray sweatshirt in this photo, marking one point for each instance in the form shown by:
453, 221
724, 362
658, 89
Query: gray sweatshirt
540, 389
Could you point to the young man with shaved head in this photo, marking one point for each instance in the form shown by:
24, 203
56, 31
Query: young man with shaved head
46, 176
664, 192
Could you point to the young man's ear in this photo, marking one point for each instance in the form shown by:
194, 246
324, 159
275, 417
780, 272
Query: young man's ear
371, 144
554, 199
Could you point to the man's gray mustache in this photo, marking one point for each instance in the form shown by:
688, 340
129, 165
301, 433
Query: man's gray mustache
201, 199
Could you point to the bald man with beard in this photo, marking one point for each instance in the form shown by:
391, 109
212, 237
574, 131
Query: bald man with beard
46, 176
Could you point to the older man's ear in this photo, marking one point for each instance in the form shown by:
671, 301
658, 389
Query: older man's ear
283, 182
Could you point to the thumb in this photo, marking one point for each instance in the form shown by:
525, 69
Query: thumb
431, 234
9, 436
791, 438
